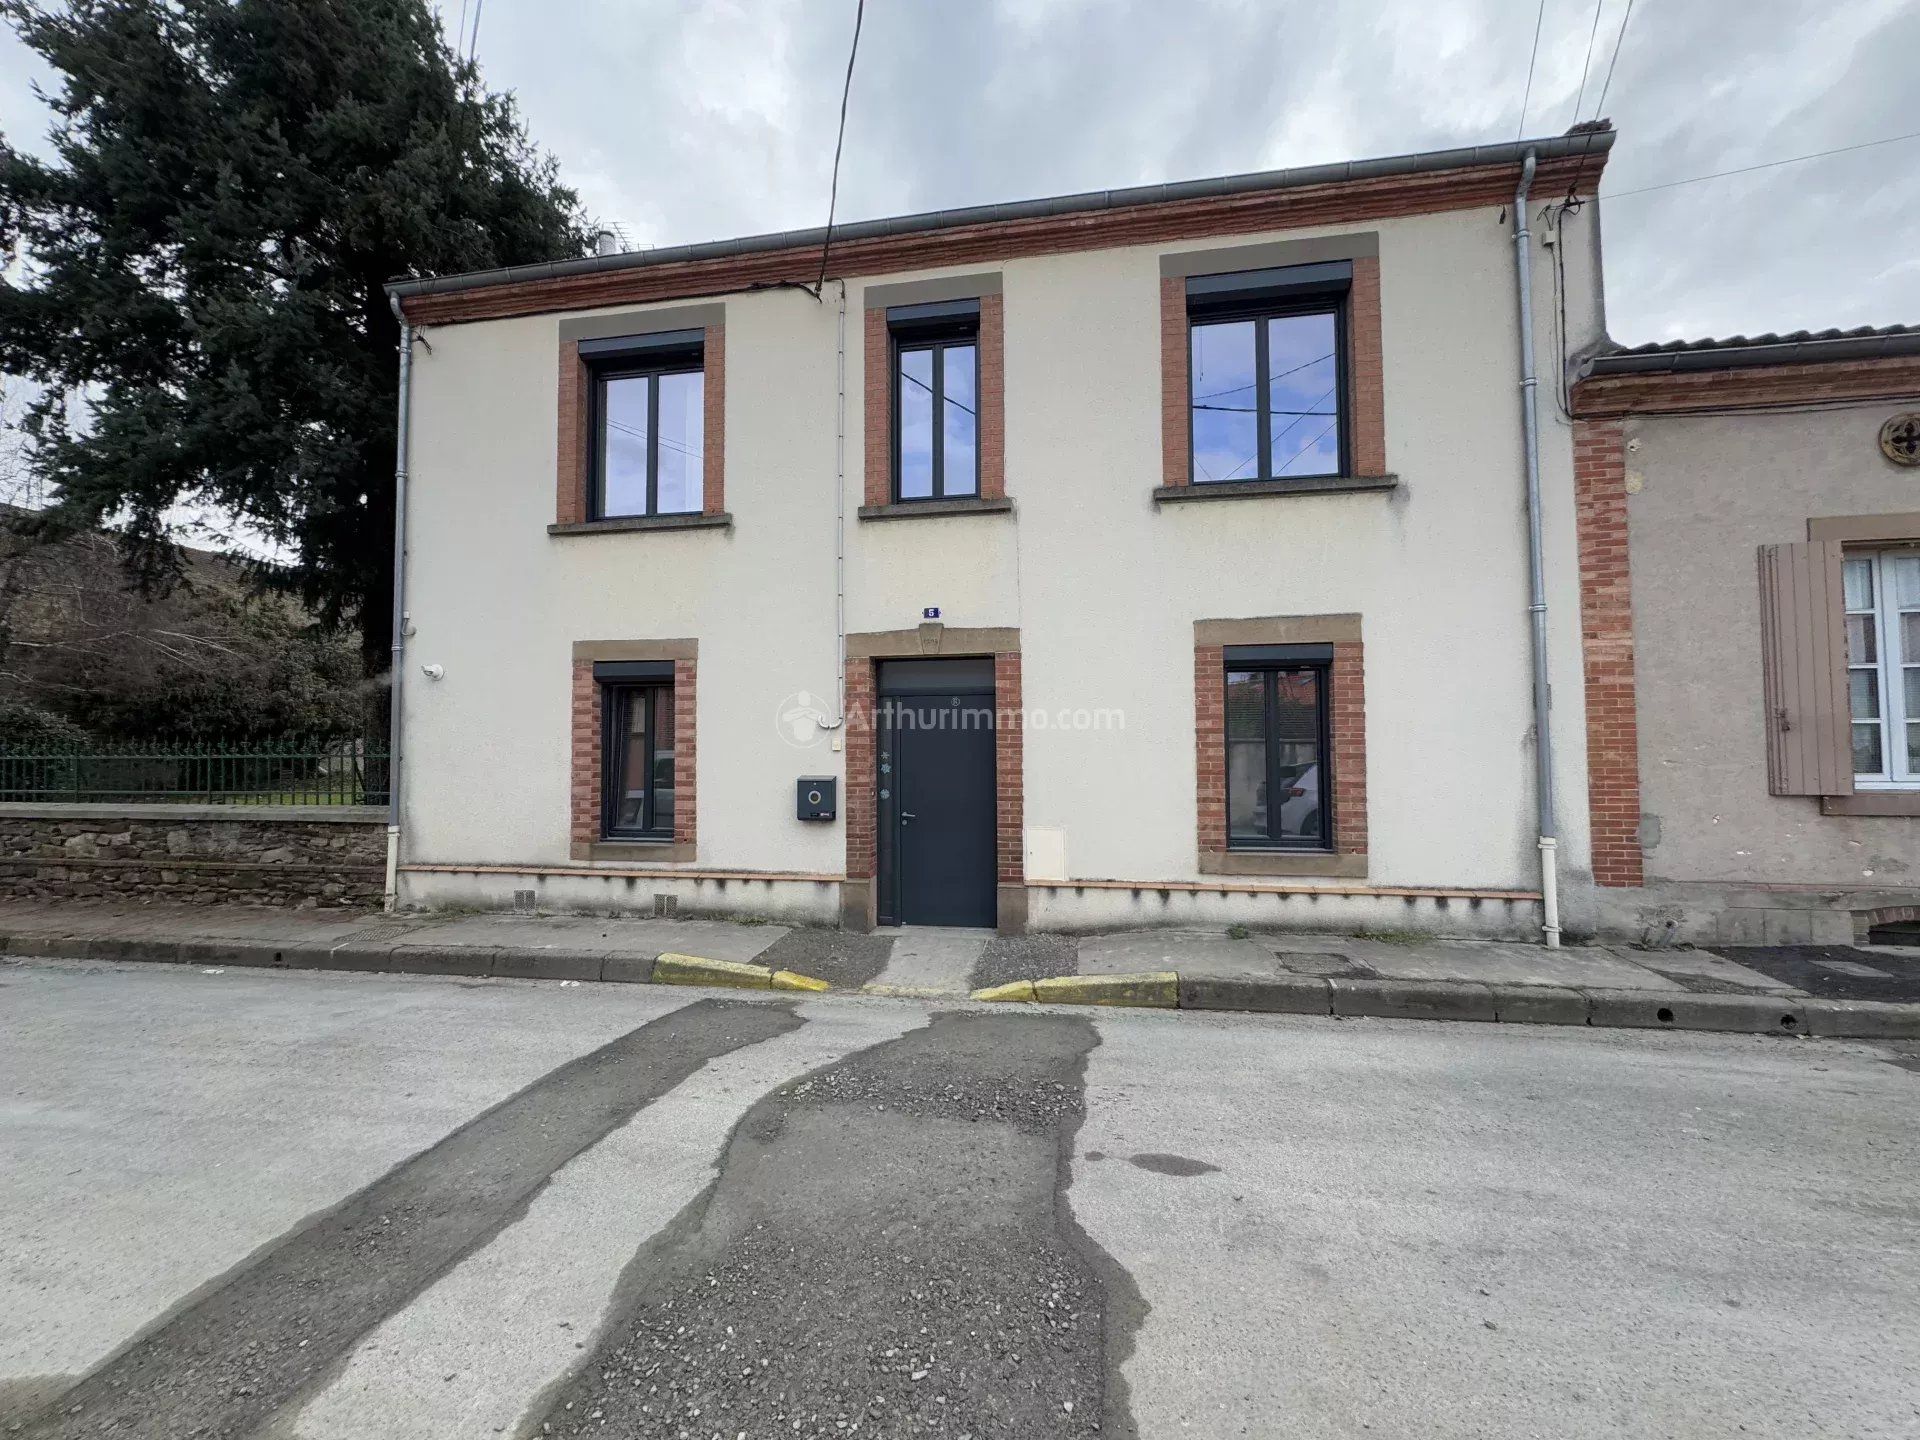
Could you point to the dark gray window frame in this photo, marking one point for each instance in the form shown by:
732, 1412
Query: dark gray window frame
622, 684
632, 357
936, 327
1259, 295
1271, 660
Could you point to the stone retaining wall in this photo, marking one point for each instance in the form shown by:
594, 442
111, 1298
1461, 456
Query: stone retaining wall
293, 855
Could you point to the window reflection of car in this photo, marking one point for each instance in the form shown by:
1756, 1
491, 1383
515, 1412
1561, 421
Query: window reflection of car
1300, 804
633, 801
663, 787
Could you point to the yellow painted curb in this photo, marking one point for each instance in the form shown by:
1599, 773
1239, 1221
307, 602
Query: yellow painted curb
794, 980
1013, 990
698, 970
1159, 990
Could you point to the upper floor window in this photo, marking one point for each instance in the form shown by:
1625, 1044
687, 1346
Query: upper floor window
1268, 373
1278, 781
649, 424
936, 406
1883, 666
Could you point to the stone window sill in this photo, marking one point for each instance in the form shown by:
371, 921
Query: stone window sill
1872, 802
624, 524
636, 852
921, 509
1270, 489
1283, 862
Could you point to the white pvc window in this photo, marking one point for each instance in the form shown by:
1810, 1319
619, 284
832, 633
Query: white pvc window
1883, 667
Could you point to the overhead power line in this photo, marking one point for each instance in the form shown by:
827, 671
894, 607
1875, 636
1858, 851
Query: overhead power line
1601, 108
1526, 95
1587, 64
1765, 165
833, 192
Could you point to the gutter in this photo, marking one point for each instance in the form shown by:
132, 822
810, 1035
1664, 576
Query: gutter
1536, 570
1586, 143
397, 670
1741, 357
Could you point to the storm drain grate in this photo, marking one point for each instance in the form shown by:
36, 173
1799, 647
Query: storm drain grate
1306, 962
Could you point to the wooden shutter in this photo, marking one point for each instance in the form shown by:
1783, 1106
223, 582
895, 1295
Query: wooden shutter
1803, 635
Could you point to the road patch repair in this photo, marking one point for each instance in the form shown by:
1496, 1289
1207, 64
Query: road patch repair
1833, 991
1241, 1199
478, 1351
225, 1362
950, 1292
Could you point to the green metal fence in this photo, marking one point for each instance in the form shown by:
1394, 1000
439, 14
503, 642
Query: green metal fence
241, 772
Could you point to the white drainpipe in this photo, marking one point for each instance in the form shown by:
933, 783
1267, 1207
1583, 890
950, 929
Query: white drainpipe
840, 513
399, 607
1542, 692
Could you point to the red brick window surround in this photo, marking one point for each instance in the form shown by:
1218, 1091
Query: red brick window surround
1346, 702
586, 790
1365, 387
1606, 652
573, 502
878, 399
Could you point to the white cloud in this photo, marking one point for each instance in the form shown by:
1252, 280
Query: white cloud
700, 121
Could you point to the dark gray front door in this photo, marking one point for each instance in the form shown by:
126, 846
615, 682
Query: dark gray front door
937, 810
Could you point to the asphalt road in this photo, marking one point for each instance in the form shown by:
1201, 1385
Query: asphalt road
317, 1205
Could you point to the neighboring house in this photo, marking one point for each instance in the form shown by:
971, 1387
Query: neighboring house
1750, 573
1175, 541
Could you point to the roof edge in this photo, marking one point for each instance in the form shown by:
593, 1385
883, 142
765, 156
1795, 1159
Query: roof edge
1581, 143
1742, 355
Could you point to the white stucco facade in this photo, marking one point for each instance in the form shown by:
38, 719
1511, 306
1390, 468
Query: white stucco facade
1103, 586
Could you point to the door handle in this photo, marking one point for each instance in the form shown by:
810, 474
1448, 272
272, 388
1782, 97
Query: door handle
907, 815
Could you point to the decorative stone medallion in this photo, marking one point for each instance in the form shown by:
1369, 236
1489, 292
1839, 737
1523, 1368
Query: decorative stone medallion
1900, 439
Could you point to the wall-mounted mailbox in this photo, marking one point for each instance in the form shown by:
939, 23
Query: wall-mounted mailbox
817, 797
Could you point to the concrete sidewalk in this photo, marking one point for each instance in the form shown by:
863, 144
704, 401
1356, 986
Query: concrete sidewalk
1830, 990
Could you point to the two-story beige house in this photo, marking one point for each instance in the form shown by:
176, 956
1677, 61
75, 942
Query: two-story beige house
1140, 557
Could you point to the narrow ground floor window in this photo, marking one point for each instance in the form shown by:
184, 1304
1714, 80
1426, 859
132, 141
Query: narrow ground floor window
638, 770
1278, 775
632, 790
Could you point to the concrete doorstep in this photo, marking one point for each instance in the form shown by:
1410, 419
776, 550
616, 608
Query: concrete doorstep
1188, 971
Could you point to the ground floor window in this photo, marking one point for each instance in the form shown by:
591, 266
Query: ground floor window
1277, 770
637, 774
1883, 666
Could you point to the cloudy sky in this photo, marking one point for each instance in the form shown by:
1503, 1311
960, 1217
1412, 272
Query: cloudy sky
685, 120
694, 121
